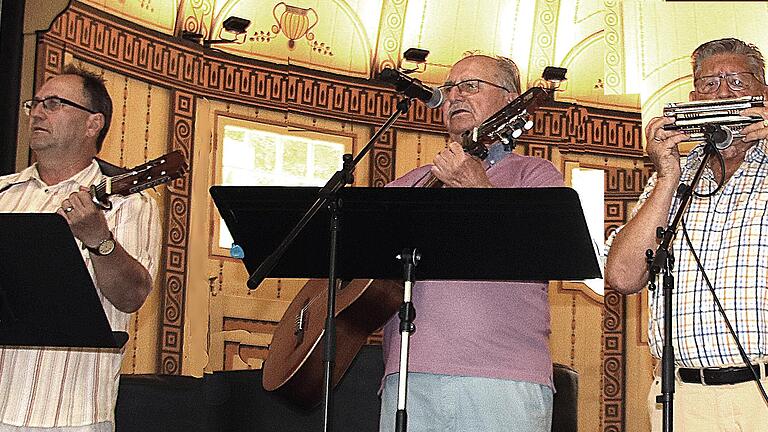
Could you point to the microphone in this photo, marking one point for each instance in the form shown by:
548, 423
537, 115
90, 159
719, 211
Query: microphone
412, 87
720, 136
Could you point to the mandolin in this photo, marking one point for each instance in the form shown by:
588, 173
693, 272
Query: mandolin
294, 365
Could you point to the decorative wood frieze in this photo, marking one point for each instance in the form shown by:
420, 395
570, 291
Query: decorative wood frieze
178, 64
383, 159
614, 362
622, 189
174, 273
581, 129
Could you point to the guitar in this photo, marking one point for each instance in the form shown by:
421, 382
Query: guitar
153, 173
294, 365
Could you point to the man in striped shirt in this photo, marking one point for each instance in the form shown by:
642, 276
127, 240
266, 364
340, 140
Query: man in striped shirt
728, 233
56, 389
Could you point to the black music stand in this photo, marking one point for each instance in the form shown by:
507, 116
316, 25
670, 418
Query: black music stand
498, 234
47, 297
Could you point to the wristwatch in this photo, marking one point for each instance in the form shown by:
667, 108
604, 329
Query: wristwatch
105, 247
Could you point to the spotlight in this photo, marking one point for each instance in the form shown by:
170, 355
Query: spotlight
416, 55
236, 25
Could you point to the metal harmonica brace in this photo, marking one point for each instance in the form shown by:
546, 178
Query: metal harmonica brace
690, 117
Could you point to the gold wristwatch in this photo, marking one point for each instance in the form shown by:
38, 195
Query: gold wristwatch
105, 247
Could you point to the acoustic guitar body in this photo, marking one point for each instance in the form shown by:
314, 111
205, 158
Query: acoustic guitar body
294, 365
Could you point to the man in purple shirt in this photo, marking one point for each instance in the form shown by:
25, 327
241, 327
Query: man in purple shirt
480, 359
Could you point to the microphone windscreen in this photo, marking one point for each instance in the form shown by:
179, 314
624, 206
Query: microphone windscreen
436, 100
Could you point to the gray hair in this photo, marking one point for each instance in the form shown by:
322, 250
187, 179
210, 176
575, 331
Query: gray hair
755, 60
507, 70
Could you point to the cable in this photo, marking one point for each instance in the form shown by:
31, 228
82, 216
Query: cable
720, 182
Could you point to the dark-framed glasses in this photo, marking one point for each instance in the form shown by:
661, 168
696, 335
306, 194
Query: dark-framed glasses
470, 86
53, 104
736, 81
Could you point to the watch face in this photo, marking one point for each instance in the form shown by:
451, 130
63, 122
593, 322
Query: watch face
106, 247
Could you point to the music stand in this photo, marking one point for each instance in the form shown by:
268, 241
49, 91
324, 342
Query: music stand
537, 233
47, 297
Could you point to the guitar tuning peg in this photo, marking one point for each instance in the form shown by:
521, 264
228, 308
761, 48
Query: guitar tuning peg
517, 133
528, 125
502, 137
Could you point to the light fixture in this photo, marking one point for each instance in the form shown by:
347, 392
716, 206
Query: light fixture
416, 58
234, 25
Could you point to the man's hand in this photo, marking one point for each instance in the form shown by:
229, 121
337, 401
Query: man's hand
662, 148
759, 130
456, 168
86, 221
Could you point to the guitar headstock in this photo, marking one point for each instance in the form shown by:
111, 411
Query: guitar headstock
155, 172
507, 124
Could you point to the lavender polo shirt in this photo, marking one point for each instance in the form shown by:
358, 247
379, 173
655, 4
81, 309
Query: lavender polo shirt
493, 329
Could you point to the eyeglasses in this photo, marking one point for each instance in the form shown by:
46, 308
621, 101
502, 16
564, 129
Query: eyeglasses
736, 81
53, 104
470, 86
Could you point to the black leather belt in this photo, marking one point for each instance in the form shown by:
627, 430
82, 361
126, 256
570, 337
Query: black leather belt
720, 376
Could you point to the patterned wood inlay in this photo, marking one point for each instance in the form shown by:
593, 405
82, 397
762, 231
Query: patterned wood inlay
579, 129
622, 188
390, 34
614, 364
383, 159
175, 246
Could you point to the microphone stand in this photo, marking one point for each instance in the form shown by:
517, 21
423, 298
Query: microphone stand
328, 196
663, 262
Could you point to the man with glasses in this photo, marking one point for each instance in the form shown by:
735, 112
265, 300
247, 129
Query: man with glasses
74, 390
480, 359
727, 233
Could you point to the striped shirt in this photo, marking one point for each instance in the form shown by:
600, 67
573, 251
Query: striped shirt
54, 387
729, 233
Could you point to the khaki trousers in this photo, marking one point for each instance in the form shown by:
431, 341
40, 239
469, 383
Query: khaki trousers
720, 408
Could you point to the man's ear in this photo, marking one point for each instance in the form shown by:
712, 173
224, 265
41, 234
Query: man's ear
94, 124
692, 96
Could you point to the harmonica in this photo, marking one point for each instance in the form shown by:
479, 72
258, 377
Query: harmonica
691, 117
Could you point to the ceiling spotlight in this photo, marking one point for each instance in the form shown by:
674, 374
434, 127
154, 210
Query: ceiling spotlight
416, 55
234, 25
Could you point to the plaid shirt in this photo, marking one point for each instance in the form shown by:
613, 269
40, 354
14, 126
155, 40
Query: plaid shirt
729, 232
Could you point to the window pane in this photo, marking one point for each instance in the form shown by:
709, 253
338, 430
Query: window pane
256, 154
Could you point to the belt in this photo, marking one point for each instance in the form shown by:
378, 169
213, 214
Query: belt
720, 376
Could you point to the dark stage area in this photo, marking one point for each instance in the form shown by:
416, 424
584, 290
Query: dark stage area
235, 401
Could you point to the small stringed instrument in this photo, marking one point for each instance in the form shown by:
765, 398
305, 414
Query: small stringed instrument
153, 173
294, 365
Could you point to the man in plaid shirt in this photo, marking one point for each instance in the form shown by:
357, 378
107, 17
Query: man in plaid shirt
728, 232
